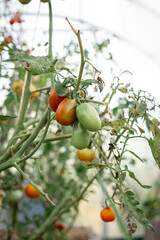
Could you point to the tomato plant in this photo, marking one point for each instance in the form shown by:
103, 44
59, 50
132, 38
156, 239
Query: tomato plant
86, 154
66, 112
35, 148
80, 136
31, 192
55, 99
107, 215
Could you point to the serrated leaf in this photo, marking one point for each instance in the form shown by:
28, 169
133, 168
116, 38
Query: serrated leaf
3, 118
132, 206
61, 89
38, 65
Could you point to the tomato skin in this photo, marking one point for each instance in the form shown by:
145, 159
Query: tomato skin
31, 192
24, 1
80, 136
7, 40
14, 196
11, 21
59, 226
55, 99
87, 155
66, 113
107, 215
88, 117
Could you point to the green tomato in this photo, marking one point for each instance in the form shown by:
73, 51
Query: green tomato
44, 1
24, 1
14, 196
88, 117
80, 136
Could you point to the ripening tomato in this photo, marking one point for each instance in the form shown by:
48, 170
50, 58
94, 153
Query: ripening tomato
14, 196
80, 136
7, 40
107, 215
55, 99
59, 226
33, 88
31, 192
18, 86
66, 112
88, 117
86, 154
24, 1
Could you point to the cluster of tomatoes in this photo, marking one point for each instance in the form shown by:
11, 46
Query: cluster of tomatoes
83, 117
18, 86
16, 18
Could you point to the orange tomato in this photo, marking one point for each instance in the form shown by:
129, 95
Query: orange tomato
55, 99
107, 215
31, 192
7, 40
66, 113
86, 154
33, 88
18, 86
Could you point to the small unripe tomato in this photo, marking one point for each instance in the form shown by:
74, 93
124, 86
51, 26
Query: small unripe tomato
86, 154
31, 192
59, 226
80, 136
7, 40
1, 48
107, 215
66, 113
24, 1
44, 1
55, 99
14, 196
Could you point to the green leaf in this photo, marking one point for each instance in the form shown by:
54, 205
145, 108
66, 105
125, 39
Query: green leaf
140, 129
131, 174
61, 89
122, 176
132, 206
38, 65
135, 155
3, 118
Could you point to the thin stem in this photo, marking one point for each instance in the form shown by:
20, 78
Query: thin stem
61, 137
39, 144
82, 55
50, 28
17, 156
23, 109
96, 70
97, 102
33, 184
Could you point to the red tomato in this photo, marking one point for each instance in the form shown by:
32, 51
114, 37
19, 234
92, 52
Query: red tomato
7, 40
18, 19
11, 21
59, 226
66, 113
55, 99
107, 215
31, 192
86, 154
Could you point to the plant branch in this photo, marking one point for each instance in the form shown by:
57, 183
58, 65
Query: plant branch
33, 184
